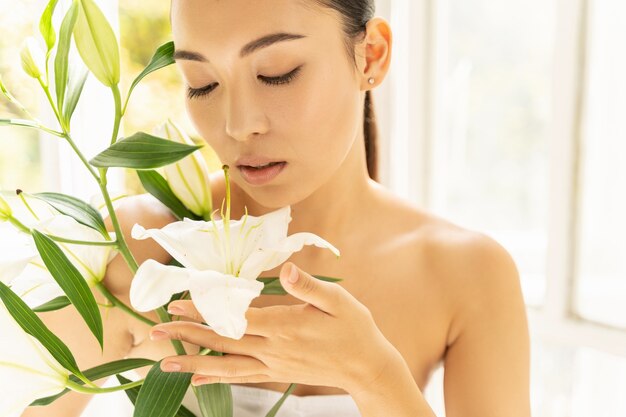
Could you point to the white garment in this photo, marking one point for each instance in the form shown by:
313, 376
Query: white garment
256, 402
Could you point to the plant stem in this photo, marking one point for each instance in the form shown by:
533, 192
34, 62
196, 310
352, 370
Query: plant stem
69, 140
86, 381
81, 242
165, 318
46, 89
118, 112
15, 222
119, 236
50, 131
87, 390
120, 304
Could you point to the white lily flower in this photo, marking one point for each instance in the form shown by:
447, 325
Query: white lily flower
222, 261
27, 370
27, 209
189, 177
22, 268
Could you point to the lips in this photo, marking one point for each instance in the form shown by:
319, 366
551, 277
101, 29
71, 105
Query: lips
262, 175
256, 161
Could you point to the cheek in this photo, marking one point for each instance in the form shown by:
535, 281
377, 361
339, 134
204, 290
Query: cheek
207, 123
321, 118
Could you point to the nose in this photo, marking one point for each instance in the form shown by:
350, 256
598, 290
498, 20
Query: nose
245, 116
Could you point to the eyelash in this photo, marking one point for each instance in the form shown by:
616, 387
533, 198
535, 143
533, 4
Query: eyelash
283, 79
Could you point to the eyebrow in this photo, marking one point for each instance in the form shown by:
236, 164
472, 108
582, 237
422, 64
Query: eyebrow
249, 48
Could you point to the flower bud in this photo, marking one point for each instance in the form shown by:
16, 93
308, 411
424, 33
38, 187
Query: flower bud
97, 44
33, 59
189, 177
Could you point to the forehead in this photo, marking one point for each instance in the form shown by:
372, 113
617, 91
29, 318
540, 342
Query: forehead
209, 25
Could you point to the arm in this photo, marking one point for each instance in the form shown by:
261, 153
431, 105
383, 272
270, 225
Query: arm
393, 393
70, 327
487, 362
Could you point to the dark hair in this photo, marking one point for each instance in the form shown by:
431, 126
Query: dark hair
355, 14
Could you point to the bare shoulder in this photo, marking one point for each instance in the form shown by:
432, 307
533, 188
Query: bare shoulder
488, 343
478, 273
475, 271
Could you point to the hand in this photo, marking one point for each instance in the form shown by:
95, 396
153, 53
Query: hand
330, 340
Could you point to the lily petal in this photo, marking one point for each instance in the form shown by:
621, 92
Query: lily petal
223, 300
190, 242
27, 370
91, 261
155, 283
17, 249
35, 285
266, 258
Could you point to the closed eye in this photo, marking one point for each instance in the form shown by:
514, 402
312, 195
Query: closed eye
283, 79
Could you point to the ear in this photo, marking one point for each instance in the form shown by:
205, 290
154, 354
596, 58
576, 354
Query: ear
375, 52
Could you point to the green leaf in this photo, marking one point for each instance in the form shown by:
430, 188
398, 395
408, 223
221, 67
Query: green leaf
71, 281
45, 24
61, 66
18, 122
74, 90
134, 392
97, 44
99, 372
163, 57
155, 184
274, 287
274, 410
52, 305
33, 325
215, 400
162, 393
142, 151
76, 208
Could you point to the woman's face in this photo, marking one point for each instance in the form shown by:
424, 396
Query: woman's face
295, 100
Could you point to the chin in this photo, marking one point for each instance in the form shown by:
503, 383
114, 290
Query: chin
274, 197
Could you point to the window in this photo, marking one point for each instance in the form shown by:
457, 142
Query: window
601, 263
505, 117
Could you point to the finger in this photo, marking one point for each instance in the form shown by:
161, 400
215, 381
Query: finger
257, 322
326, 296
197, 380
202, 335
228, 366
185, 308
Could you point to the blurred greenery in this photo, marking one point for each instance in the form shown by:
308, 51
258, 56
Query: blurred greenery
144, 26
19, 159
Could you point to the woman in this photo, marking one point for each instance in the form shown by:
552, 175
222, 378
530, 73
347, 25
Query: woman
288, 83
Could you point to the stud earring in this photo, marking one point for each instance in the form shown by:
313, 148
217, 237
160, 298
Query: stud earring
371, 80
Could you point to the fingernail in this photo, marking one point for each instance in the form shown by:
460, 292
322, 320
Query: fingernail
293, 275
200, 381
172, 366
158, 335
175, 310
